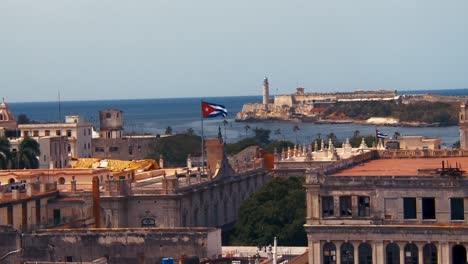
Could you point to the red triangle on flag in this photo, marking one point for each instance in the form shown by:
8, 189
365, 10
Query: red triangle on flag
207, 109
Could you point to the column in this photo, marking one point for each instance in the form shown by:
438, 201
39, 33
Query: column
356, 251
378, 255
338, 251
444, 252
309, 204
420, 252
402, 252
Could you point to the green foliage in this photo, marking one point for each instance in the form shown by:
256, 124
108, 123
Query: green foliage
277, 209
234, 148
5, 155
168, 130
355, 141
261, 138
27, 155
175, 149
421, 111
456, 145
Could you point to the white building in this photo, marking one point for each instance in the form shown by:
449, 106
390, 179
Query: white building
78, 132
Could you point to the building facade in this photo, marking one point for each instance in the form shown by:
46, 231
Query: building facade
77, 131
389, 211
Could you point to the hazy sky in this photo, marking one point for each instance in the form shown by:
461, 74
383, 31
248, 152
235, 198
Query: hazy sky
113, 49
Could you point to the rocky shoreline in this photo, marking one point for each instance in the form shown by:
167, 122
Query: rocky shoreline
341, 121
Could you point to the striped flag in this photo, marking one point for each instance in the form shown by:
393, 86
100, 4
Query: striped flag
213, 110
379, 134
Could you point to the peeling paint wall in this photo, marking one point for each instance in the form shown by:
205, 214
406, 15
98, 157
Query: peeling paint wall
121, 245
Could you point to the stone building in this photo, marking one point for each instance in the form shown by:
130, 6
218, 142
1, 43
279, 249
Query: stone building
113, 144
77, 131
54, 152
7, 120
405, 210
463, 125
184, 197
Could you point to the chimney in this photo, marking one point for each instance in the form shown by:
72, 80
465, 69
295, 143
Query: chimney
96, 203
73, 184
29, 190
42, 188
15, 194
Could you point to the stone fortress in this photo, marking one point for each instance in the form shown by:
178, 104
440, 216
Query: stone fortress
302, 106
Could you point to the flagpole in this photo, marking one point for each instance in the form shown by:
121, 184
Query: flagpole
202, 141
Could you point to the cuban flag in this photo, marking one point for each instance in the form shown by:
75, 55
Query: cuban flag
379, 134
213, 110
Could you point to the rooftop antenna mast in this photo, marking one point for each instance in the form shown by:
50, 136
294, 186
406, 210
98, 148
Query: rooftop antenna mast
59, 108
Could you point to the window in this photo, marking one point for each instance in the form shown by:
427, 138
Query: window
58, 132
392, 254
327, 206
69, 259
47, 133
108, 115
409, 208
363, 206
457, 209
69, 133
61, 180
69, 148
114, 149
130, 150
26, 133
89, 131
365, 254
99, 149
411, 254
428, 208
345, 206
347, 253
429, 254
84, 145
329, 253
35, 133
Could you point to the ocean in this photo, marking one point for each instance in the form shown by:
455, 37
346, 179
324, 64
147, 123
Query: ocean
153, 116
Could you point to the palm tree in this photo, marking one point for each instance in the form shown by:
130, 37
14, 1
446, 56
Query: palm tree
278, 133
5, 154
27, 154
246, 127
295, 129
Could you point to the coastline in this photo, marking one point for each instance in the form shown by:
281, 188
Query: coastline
342, 121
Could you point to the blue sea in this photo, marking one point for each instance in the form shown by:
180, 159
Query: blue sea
153, 116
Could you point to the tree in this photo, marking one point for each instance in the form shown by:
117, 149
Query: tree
27, 155
456, 145
5, 154
22, 119
246, 127
175, 149
295, 130
396, 135
190, 131
168, 130
277, 209
277, 133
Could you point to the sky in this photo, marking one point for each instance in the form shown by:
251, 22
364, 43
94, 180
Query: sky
121, 49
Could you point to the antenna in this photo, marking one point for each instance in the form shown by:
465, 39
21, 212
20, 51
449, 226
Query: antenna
59, 108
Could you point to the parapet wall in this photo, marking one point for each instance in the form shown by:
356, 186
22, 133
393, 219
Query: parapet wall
136, 245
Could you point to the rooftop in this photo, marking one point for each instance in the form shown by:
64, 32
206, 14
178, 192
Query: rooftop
402, 167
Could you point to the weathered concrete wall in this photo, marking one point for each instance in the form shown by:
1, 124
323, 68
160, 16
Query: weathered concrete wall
124, 246
9, 242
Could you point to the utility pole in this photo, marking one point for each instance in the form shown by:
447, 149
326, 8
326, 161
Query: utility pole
275, 251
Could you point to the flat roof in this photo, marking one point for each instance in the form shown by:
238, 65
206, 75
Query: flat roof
402, 167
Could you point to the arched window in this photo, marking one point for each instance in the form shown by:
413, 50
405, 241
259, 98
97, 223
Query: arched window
458, 254
108, 115
429, 254
11, 180
61, 180
365, 253
411, 254
329, 253
347, 253
392, 254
